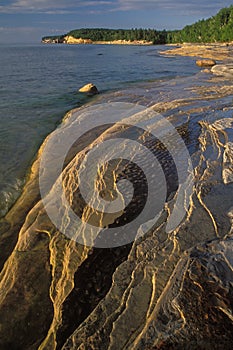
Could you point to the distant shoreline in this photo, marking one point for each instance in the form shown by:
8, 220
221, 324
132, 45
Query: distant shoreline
217, 51
70, 40
215, 29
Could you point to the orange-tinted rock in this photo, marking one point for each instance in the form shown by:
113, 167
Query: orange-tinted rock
205, 63
89, 89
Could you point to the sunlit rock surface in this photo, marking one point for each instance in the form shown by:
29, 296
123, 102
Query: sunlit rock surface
164, 291
89, 89
205, 63
215, 51
223, 70
71, 40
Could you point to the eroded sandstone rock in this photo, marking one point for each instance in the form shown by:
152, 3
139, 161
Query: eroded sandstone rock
166, 291
205, 63
223, 70
89, 89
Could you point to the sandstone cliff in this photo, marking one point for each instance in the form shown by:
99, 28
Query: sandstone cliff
71, 40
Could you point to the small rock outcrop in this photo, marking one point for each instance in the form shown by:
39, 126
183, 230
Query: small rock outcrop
90, 89
225, 70
205, 63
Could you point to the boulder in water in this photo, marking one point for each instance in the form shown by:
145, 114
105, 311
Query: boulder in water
205, 63
89, 89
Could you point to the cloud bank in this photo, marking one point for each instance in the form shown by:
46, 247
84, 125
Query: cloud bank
50, 6
71, 6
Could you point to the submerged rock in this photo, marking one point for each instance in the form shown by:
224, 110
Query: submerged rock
89, 89
205, 63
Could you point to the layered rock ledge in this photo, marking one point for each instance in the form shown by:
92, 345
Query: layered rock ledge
166, 290
218, 51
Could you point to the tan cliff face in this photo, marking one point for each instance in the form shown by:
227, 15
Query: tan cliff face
77, 41
71, 40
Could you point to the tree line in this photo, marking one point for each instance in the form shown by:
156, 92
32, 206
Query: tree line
102, 34
218, 28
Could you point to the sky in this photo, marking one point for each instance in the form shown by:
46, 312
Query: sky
29, 20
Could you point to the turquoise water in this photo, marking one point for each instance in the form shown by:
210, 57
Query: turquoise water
39, 84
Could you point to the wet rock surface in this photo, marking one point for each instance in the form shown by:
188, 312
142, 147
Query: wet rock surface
165, 290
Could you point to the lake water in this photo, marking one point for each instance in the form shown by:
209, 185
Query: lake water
39, 84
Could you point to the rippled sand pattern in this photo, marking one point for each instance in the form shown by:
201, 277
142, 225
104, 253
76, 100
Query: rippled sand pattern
165, 290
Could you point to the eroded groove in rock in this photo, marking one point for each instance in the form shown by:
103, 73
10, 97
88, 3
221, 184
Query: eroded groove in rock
91, 283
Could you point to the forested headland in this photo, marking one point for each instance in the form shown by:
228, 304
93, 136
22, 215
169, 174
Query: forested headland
218, 28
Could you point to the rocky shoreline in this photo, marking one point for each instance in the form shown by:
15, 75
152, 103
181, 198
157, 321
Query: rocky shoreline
215, 58
165, 290
216, 51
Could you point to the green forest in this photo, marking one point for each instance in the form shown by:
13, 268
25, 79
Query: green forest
100, 34
218, 28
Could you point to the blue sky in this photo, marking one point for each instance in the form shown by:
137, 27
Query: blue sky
29, 20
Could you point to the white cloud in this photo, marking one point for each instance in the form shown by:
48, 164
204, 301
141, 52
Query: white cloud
49, 6
197, 6
97, 6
